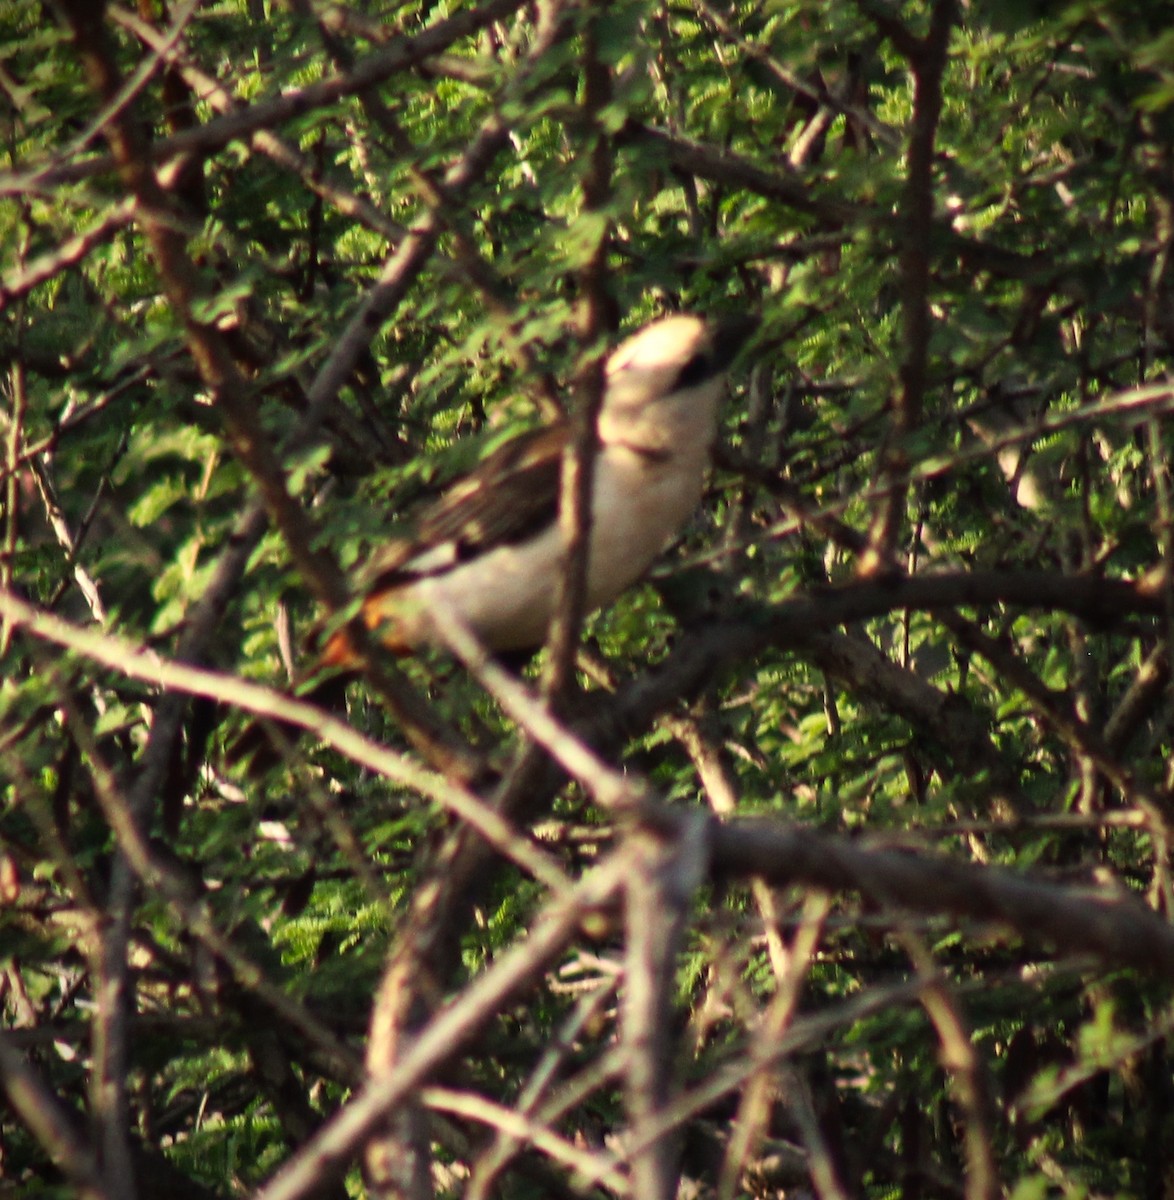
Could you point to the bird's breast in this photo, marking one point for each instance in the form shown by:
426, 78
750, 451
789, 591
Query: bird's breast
506, 595
640, 504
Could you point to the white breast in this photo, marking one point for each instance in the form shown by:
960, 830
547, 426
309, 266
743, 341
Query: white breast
507, 595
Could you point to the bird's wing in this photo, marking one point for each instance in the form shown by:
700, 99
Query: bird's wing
504, 500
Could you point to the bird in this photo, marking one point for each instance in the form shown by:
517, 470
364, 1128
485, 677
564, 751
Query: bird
490, 550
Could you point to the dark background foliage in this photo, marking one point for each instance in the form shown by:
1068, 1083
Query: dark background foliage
841, 866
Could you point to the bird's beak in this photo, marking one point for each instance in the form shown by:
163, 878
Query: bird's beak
730, 335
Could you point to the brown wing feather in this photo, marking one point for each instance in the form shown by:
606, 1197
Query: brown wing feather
505, 499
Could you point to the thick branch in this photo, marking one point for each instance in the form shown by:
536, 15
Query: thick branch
754, 628
1115, 929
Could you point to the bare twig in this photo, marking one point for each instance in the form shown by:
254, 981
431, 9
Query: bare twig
927, 57
125, 658
964, 1067
518, 1129
529, 1106
21, 280
588, 385
443, 1036
41, 1111
754, 1109
398, 55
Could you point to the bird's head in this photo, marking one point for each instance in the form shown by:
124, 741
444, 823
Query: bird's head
671, 371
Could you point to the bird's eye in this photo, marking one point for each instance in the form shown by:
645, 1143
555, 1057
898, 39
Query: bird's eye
695, 371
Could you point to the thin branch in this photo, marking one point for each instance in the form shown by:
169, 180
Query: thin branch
444, 1036
927, 58
23, 279
964, 1067
129, 660
518, 1129
588, 384
794, 190
529, 1105
398, 55
444, 197
40, 1109
231, 393
805, 1033
209, 91
613, 790
753, 1113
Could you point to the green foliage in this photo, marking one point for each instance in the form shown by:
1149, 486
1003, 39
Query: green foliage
990, 381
